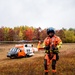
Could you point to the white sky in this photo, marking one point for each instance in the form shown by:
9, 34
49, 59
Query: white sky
38, 13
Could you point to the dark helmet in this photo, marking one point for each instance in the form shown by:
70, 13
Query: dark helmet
50, 30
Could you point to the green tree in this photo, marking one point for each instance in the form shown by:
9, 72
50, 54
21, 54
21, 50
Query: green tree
69, 36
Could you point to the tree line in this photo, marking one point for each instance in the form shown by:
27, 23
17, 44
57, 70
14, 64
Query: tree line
31, 33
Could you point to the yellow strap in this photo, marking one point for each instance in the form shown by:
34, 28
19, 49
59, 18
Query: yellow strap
59, 45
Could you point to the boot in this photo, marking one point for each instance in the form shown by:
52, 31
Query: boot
46, 73
54, 73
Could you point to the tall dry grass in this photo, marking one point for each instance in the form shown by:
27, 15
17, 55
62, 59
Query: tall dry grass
34, 65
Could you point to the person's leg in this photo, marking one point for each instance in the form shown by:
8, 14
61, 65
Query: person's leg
45, 66
46, 63
57, 56
54, 64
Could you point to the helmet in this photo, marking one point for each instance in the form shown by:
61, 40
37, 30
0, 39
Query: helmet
50, 30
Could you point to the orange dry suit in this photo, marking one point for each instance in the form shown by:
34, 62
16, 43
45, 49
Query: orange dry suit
51, 46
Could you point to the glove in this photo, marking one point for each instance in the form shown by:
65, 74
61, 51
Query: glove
54, 49
47, 47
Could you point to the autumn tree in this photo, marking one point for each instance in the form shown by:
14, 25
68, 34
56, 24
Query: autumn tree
43, 34
28, 34
1, 34
61, 34
5, 29
11, 35
16, 35
20, 35
35, 34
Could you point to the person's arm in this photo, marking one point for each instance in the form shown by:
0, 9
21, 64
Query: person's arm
46, 45
59, 43
58, 46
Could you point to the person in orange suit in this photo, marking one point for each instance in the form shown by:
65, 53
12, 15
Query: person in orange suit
51, 44
39, 45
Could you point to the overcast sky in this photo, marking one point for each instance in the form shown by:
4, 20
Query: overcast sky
38, 13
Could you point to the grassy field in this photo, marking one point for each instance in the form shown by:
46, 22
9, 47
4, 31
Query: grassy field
34, 65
